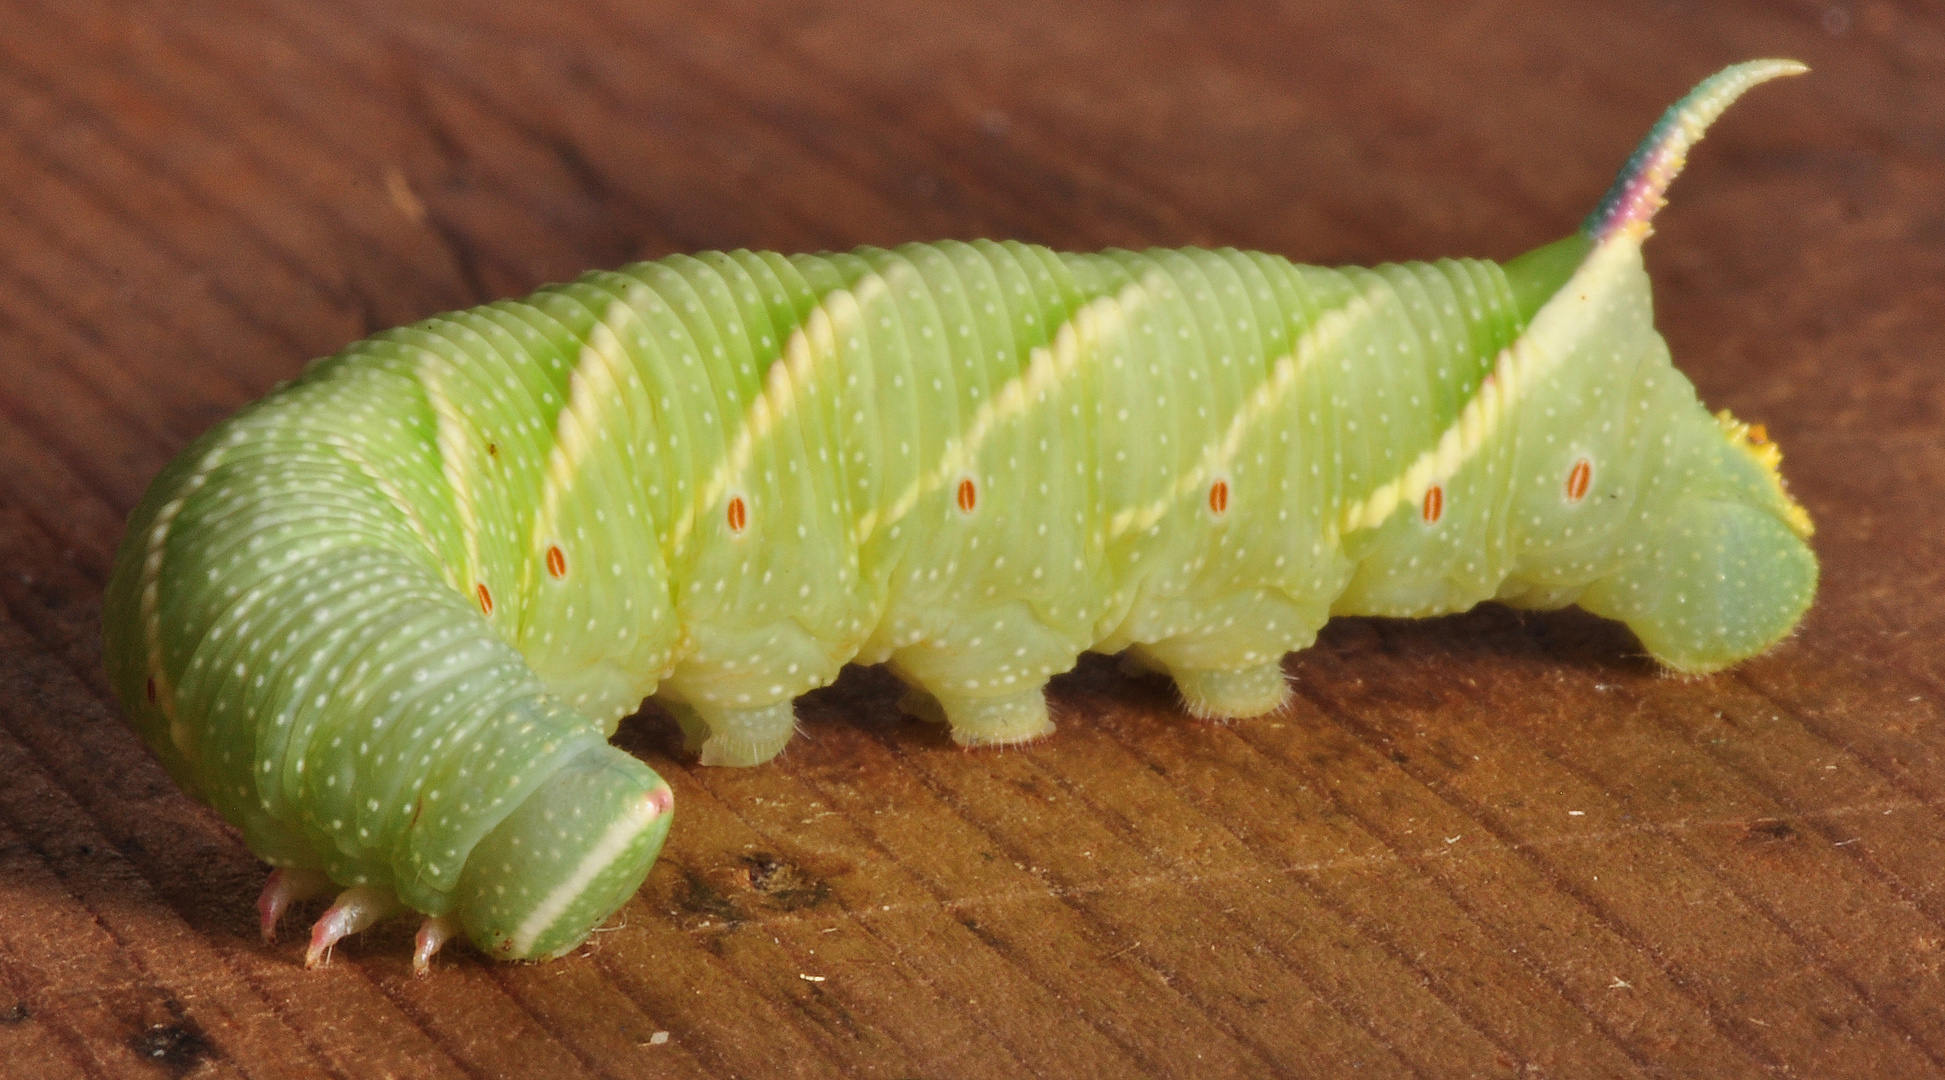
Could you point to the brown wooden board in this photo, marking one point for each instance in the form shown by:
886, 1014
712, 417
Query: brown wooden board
1488, 845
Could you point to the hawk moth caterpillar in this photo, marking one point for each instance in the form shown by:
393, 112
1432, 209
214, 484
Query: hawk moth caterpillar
385, 619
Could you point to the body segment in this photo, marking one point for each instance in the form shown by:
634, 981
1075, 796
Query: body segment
385, 619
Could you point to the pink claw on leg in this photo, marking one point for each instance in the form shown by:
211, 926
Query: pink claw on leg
353, 910
284, 888
433, 933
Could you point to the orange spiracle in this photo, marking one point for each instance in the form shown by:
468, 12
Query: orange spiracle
968, 495
556, 561
739, 515
485, 599
1433, 507
1579, 479
1219, 497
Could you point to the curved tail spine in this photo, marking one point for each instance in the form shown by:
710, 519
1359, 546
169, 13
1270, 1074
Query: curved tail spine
1638, 192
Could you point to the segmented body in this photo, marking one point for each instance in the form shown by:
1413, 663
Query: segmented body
376, 618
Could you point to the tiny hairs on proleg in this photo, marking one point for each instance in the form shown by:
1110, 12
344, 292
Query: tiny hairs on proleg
384, 620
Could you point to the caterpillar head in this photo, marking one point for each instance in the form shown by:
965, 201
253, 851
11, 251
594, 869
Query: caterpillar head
566, 858
1729, 570
1769, 492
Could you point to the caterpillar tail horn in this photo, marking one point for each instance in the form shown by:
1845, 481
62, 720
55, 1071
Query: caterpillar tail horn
1641, 188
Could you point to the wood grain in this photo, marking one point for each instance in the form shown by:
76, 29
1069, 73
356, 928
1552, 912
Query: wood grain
1489, 845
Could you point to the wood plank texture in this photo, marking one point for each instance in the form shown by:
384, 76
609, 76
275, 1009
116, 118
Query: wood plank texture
1489, 845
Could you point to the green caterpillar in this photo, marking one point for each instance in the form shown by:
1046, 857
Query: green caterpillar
385, 619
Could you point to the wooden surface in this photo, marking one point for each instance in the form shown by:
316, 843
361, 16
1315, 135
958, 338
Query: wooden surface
1490, 845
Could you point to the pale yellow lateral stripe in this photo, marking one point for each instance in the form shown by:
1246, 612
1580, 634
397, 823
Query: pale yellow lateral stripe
151, 594
1322, 336
1047, 367
1531, 356
396, 496
613, 844
452, 442
351, 451
595, 383
811, 345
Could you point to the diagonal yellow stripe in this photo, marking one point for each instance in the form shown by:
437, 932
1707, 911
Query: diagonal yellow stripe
1322, 336
1047, 367
1533, 355
812, 345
